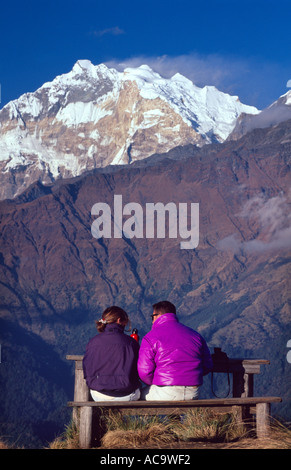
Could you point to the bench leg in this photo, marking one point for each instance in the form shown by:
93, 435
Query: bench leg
263, 419
85, 427
81, 392
240, 416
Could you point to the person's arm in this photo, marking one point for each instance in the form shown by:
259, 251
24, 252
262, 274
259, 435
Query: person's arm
146, 362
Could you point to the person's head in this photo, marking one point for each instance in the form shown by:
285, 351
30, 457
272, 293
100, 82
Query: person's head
112, 314
160, 308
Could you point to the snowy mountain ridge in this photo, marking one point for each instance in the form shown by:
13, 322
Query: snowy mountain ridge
95, 116
203, 105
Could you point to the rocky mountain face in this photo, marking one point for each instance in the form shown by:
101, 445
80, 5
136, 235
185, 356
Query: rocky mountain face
94, 116
277, 112
234, 287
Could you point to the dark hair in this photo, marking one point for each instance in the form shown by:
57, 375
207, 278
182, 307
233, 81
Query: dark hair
164, 307
111, 315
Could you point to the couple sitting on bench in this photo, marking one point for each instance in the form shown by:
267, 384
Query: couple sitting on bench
171, 360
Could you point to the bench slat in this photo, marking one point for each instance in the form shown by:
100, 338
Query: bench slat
79, 357
178, 403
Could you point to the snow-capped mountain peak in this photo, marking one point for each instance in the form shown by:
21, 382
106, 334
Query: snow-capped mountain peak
84, 65
94, 116
207, 109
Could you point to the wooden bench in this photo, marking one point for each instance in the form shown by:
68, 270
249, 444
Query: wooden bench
262, 404
242, 371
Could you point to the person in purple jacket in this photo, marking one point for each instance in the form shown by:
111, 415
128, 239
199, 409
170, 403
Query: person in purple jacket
110, 360
173, 358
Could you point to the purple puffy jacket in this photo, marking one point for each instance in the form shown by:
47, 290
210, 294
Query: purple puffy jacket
173, 354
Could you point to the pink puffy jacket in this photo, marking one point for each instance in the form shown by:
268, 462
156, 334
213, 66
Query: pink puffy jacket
173, 354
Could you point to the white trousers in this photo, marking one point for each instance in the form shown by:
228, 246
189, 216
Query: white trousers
98, 396
174, 392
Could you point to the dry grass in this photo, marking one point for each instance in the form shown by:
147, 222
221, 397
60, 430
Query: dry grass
68, 440
279, 438
147, 432
137, 432
153, 437
3, 445
206, 424
200, 428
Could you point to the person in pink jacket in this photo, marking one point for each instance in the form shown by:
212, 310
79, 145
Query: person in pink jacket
173, 358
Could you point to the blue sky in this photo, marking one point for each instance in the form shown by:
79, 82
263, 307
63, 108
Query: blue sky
241, 47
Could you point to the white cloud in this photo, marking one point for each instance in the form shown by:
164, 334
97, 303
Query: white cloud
271, 218
288, 84
114, 31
